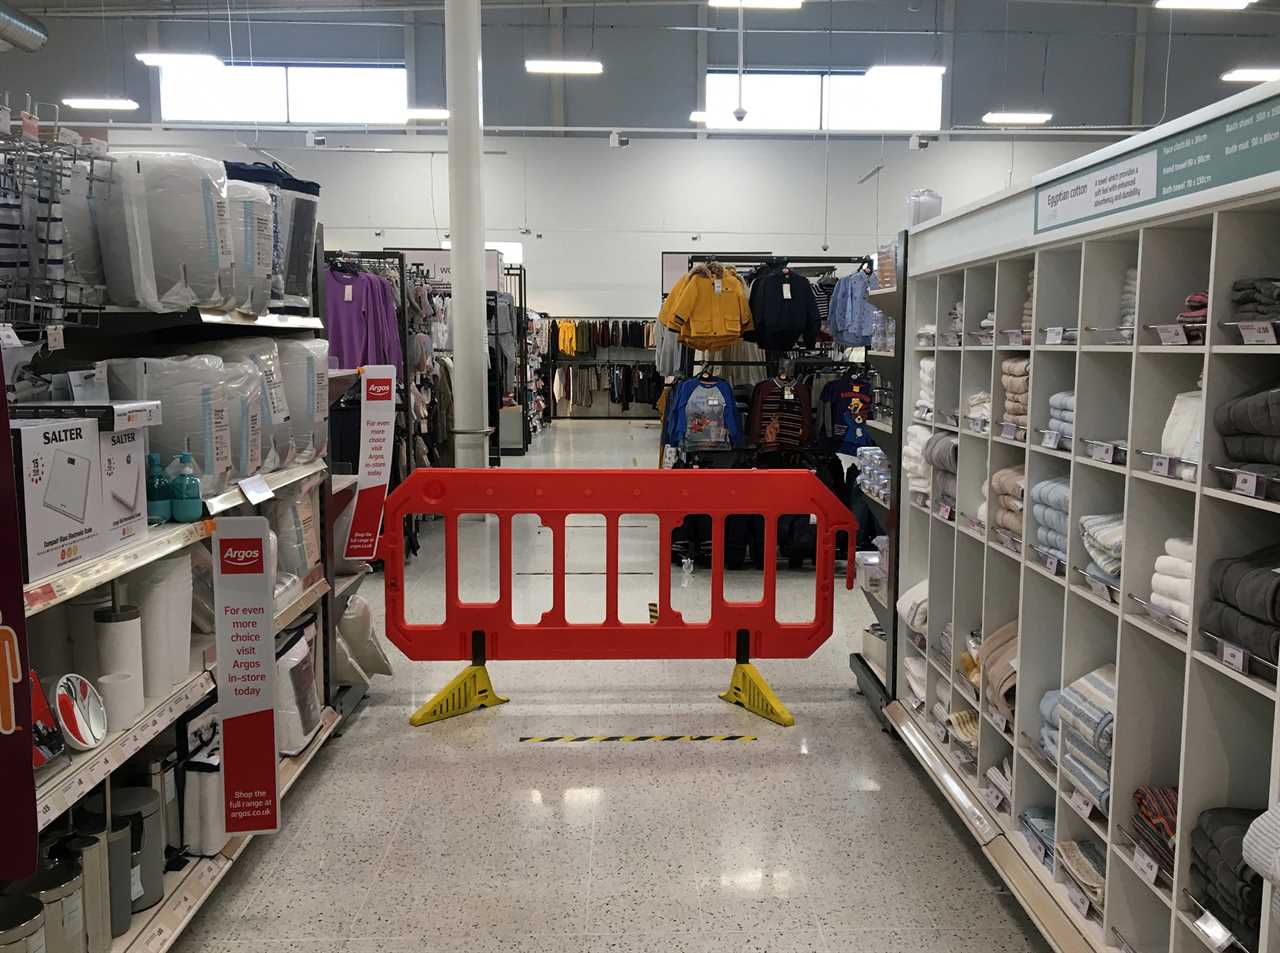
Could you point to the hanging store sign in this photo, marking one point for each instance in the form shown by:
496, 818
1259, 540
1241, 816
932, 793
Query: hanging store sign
18, 825
1229, 148
377, 437
244, 598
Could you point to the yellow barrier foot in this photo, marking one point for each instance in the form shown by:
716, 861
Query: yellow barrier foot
470, 689
749, 689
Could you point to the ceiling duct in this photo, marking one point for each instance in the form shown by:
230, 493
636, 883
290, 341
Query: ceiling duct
17, 29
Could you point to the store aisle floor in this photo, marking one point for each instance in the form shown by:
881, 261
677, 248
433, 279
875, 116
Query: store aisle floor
458, 837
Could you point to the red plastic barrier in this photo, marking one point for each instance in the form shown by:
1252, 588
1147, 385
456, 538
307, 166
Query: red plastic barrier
553, 495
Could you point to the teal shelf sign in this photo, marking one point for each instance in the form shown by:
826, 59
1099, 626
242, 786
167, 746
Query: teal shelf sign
1231, 148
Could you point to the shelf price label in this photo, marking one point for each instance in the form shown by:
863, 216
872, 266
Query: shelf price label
1247, 484
1233, 657
157, 939
1009, 431
1051, 564
1171, 334
1257, 332
944, 511
1051, 440
1215, 935
1002, 725
1147, 868
1082, 804
993, 797
1079, 901
1053, 335
1099, 588
1103, 452
1160, 465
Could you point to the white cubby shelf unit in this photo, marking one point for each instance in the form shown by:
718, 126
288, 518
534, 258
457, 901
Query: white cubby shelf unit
1183, 716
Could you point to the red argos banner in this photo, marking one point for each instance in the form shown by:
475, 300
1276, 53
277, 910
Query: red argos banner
377, 433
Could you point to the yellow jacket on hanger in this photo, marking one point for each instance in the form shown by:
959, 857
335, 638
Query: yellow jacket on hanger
708, 307
568, 339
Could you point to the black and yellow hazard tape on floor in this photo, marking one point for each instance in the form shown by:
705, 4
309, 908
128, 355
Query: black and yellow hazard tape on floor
573, 739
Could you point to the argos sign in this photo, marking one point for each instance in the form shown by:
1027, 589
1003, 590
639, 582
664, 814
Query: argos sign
378, 388
241, 555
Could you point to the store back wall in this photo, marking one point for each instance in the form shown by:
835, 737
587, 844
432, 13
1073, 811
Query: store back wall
605, 215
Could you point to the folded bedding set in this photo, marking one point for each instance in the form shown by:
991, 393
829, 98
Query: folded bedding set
1244, 604
1086, 713
1049, 502
1172, 582
1015, 376
1221, 878
1250, 430
1103, 539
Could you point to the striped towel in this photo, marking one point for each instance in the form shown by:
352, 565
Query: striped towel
1103, 538
1088, 706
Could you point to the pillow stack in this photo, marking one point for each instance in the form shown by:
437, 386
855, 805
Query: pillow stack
1172, 583
1015, 374
1049, 502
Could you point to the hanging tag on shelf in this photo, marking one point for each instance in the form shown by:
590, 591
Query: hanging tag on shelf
1079, 901
1247, 484
1103, 452
1052, 439
999, 721
1257, 332
944, 511
1081, 804
993, 797
1051, 564
1053, 335
1233, 657
938, 732
9, 337
1099, 588
55, 337
1147, 868
1172, 334
1160, 465
256, 489
1009, 431
1215, 935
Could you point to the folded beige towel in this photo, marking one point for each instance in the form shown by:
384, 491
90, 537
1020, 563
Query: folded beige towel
1016, 366
1015, 384
1009, 481
1009, 520
1022, 420
1011, 503
1016, 404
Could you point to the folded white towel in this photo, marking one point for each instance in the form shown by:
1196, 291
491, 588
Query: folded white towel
1180, 609
1173, 566
1180, 547
1172, 587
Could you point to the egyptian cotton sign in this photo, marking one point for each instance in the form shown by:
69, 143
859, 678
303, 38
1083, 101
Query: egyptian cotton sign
377, 432
243, 587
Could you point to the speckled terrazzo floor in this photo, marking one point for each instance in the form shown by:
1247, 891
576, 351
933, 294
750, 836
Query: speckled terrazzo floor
823, 837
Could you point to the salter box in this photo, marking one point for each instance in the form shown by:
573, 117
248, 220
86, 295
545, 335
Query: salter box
59, 480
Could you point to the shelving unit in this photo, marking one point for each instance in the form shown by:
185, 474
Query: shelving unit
1183, 717
876, 665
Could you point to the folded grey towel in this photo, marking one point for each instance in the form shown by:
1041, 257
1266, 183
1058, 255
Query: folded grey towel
942, 451
1063, 400
1228, 622
1253, 448
1257, 412
1251, 583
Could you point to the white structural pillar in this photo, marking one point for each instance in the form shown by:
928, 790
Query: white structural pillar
466, 232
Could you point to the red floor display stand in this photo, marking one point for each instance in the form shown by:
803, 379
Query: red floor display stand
735, 630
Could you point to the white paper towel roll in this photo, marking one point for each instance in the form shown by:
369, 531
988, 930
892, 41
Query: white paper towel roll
83, 632
122, 695
120, 645
164, 596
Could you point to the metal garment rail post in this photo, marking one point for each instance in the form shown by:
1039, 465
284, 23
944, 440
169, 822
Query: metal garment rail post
734, 630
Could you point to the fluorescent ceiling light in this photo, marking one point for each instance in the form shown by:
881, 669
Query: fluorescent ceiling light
1202, 4
757, 4
1016, 119
571, 67
698, 115
178, 59
414, 113
876, 72
1251, 74
84, 102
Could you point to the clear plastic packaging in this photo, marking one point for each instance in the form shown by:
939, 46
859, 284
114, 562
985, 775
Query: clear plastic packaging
298, 217
277, 434
304, 365
193, 392
244, 412
165, 232
922, 205
252, 225
295, 519
356, 628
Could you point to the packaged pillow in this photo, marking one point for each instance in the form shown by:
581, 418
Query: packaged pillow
277, 435
244, 411
304, 364
356, 627
252, 223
